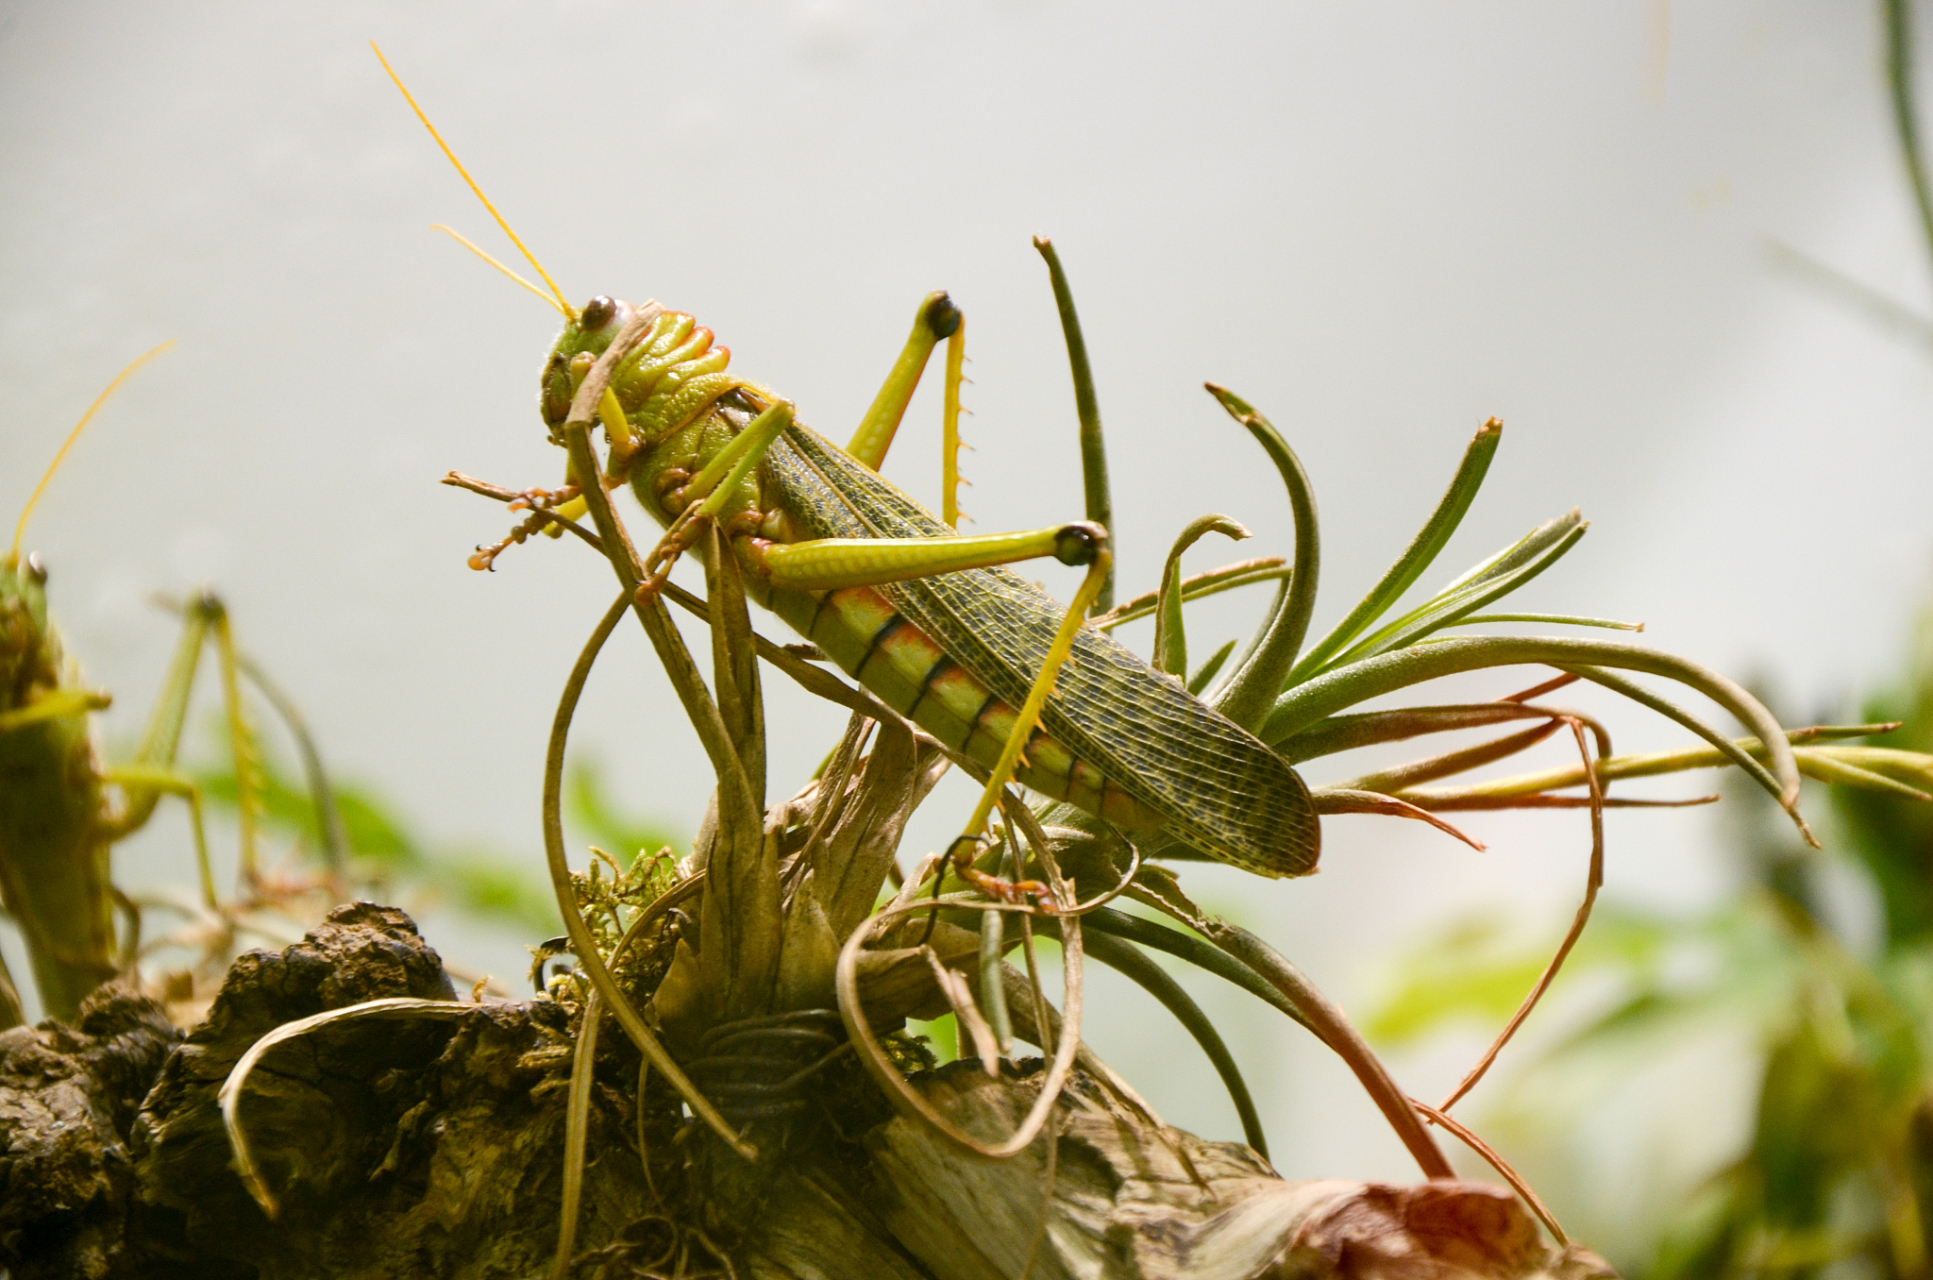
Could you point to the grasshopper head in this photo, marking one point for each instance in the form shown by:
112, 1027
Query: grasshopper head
29, 655
576, 350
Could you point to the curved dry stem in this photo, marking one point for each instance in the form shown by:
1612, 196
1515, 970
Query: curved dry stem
1336, 1031
1561, 680
908, 1100
1594, 881
1372, 728
1502, 1166
1106, 896
583, 944
1472, 804
583, 1070
230, 1096
1786, 789
577, 1117
1330, 800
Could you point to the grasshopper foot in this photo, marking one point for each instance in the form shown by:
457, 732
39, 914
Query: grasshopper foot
544, 499
995, 887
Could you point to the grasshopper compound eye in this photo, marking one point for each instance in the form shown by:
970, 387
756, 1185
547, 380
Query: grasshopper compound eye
35, 569
597, 313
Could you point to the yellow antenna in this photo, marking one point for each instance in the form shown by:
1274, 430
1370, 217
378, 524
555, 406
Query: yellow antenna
465, 241
20, 528
562, 304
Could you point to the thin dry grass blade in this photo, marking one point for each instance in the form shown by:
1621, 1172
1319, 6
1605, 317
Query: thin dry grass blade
577, 1117
1330, 800
907, 1100
1593, 882
230, 1096
1502, 1166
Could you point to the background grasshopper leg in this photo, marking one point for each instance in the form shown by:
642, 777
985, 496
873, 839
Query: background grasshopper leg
151, 782
151, 773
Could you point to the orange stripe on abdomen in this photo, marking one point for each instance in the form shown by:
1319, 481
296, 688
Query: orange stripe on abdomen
908, 670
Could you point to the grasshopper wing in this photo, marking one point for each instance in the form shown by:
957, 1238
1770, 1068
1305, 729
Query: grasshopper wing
1220, 789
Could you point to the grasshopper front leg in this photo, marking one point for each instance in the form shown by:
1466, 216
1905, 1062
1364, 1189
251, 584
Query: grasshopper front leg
712, 489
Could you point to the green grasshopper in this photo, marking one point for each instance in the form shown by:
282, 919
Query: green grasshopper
58, 818
926, 619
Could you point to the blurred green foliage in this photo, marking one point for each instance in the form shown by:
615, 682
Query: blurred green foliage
387, 856
1837, 1178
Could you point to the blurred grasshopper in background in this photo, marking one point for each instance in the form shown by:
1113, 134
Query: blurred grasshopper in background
60, 813
923, 617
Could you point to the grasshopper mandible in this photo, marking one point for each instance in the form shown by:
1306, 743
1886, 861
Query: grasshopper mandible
926, 619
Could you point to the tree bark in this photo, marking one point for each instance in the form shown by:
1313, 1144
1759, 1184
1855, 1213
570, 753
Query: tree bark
436, 1149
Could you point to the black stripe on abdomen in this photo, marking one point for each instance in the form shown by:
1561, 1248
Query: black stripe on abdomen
926, 685
884, 633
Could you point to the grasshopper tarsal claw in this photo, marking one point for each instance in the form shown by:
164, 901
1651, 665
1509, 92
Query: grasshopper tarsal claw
543, 499
960, 855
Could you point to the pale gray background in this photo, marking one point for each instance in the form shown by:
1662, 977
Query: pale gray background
1381, 223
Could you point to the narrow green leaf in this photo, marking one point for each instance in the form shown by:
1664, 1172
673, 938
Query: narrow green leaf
1129, 961
1369, 728
1651, 764
1914, 767
1246, 694
993, 992
1226, 578
1417, 557
1100, 506
1344, 687
1827, 765
1170, 635
1188, 947
1206, 672
1498, 576
1549, 619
